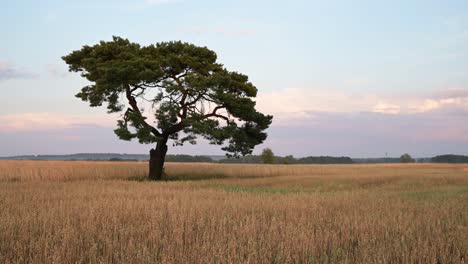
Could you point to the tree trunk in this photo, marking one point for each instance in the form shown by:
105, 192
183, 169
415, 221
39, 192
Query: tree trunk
156, 162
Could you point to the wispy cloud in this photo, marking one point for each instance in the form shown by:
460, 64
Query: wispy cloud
290, 106
50, 121
386, 108
320, 121
293, 104
450, 100
56, 70
9, 71
369, 134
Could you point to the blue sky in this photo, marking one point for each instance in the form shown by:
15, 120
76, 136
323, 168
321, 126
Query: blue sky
394, 73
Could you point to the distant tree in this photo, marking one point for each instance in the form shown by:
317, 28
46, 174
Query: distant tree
406, 158
267, 156
289, 160
178, 85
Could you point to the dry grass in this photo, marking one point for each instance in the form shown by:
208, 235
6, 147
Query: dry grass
67, 212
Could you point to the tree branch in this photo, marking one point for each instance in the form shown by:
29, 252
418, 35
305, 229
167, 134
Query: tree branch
173, 129
214, 114
218, 116
200, 96
133, 104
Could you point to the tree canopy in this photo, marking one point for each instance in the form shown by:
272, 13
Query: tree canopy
406, 158
268, 157
171, 90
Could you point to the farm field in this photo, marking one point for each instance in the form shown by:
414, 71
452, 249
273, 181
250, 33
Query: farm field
68, 212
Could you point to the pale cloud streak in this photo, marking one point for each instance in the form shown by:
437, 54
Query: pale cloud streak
51, 121
295, 103
450, 100
292, 105
9, 71
57, 71
386, 108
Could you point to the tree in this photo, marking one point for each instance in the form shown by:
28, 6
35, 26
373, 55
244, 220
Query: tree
289, 160
188, 94
267, 156
406, 158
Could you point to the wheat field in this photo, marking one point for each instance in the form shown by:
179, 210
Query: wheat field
106, 212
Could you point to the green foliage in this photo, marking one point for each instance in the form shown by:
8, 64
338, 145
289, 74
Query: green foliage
450, 159
187, 91
406, 158
325, 160
247, 159
288, 160
291, 160
267, 156
377, 160
188, 158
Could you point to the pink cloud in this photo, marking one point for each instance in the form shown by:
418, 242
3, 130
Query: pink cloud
386, 108
293, 104
9, 71
50, 121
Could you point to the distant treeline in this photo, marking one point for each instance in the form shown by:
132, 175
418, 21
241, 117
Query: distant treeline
111, 157
249, 159
188, 158
377, 160
172, 158
83, 156
254, 159
450, 159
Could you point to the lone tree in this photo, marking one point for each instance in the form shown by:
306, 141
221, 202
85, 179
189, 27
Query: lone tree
406, 158
267, 156
171, 90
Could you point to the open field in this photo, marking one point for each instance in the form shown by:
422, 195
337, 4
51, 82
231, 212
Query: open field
67, 212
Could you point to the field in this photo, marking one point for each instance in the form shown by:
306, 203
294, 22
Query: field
68, 212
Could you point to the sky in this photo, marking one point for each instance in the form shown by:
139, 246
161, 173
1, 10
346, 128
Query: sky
358, 78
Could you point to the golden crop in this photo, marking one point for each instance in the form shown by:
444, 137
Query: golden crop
68, 212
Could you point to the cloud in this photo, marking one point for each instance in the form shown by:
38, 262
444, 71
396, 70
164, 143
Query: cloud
369, 134
294, 104
450, 93
50, 121
386, 108
300, 101
306, 122
56, 70
363, 134
452, 104
9, 71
